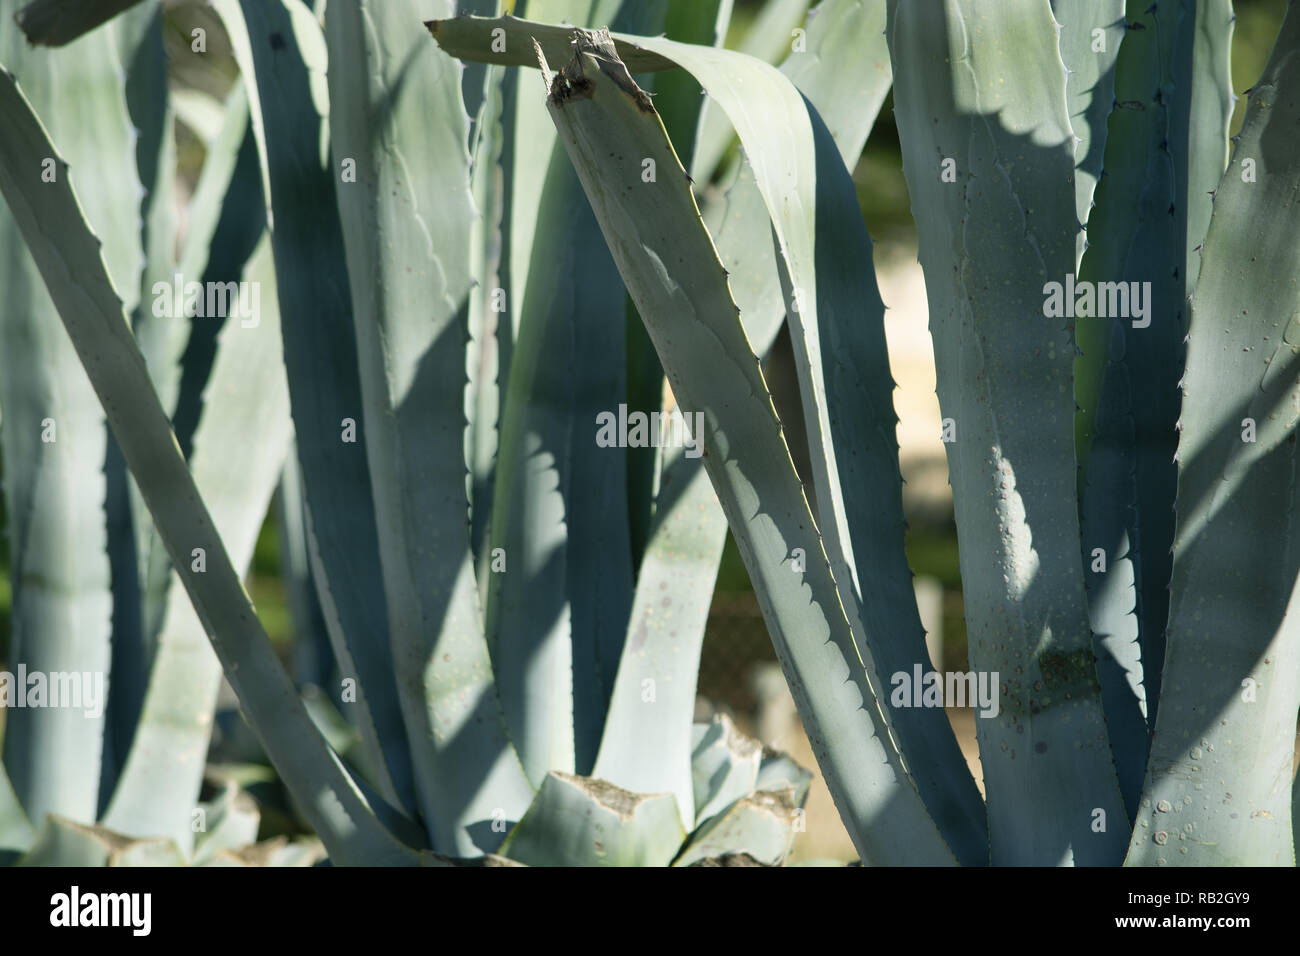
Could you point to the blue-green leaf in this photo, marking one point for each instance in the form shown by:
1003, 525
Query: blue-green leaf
73, 268
712, 368
55, 443
582, 821
980, 95
281, 53
16, 831
1218, 790
407, 218
246, 406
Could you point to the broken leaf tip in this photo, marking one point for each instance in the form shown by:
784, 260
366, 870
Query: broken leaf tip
598, 45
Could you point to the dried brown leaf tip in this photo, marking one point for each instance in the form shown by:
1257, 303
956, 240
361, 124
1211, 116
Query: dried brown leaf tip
571, 83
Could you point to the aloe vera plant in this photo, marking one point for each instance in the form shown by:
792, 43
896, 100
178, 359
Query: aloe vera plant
475, 271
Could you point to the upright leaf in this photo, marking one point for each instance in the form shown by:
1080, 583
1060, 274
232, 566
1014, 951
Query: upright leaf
406, 220
313, 657
239, 449
599, 111
646, 744
490, 341
55, 443
1218, 786
980, 94
1165, 149
130, 532
282, 56
74, 272
533, 138
557, 618
1202, 144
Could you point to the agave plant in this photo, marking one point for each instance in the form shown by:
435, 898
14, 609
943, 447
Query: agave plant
518, 610
94, 593
425, 745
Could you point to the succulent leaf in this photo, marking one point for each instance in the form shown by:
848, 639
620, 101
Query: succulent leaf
55, 443
94, 317
281, 54
583, 821
405, 220
980, 93
761, 825
1218, 789
63, 842
744, 450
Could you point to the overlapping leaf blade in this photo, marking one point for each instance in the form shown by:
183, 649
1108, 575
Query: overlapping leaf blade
560, 511
93, 315
247, 406
846, 387
1218, 786
281, 54
406, 220
1165, 150
984, 86
712, 369
834, 72
55, 440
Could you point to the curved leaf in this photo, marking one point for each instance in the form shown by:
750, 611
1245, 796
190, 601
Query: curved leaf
55, 444
281, 54
983, 85
93, 315
1218, 786
247, 407
712, 369
770, 38
405, 221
